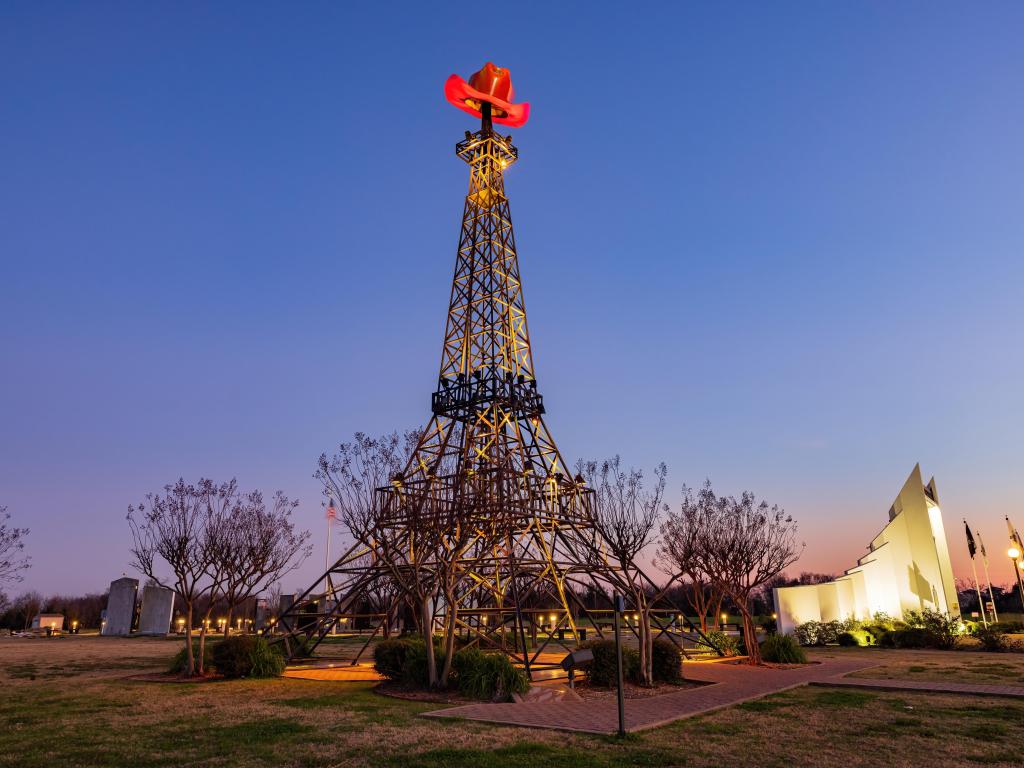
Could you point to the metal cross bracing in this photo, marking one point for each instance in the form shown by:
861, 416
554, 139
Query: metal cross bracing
486, 505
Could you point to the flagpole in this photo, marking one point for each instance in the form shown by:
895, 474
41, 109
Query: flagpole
988, 579
981, 603
1019, 547
974, 570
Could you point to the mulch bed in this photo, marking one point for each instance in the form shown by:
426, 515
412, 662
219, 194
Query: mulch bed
631, 690
768, 664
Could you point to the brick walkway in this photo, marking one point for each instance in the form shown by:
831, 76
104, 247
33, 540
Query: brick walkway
729, 684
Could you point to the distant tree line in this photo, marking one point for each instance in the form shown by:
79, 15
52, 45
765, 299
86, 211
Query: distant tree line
17, 613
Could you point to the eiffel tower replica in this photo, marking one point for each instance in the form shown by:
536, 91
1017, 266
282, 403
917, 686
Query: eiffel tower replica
486, 497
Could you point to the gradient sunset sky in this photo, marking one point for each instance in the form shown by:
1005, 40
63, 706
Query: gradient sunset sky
774, 245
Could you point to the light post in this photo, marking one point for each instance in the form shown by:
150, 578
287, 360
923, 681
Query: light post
332, 513
619, 605
1018, 566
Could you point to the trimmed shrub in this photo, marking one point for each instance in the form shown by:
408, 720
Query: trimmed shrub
910, 637
824, 632
856, 637
992, 638
884, 620
602, 670
728, 644
267, 660
247, 656
666, 661
179, 661
389, 658
414, 668
487, 675
1009, 627
941, 629
233, 655
808, 633
782, 649
876, 631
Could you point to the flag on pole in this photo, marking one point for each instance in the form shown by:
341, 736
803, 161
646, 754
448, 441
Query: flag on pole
981, 545
971, 546
1014, 536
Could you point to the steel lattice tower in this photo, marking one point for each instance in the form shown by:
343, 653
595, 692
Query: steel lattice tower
486, 479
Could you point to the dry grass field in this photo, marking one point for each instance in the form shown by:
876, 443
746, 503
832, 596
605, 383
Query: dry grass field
946, 667
71, 701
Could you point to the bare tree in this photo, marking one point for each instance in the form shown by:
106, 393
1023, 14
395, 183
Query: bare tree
740, 544
273, 592
677, 553
29, 605
258, 547
351, 478
383, 596
625, 515
432, 565
423, 569
12, 543
354, 473
179, 530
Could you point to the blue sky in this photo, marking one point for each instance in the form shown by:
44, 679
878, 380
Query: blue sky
776, 245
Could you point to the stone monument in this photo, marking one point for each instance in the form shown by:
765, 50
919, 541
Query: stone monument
157, 607
263, 614
120, 607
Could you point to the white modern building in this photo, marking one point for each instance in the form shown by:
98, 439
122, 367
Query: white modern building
906, 568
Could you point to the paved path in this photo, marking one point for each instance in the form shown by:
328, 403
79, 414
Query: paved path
342, 672
729, 684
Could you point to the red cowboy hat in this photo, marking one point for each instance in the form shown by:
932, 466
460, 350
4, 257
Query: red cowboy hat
492, 84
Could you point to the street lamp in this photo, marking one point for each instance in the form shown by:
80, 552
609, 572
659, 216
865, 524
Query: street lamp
1018, 565
332, 513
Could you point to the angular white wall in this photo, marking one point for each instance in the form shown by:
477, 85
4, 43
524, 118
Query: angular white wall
907, 568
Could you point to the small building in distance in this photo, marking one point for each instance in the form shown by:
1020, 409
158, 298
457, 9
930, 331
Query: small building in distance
906, 568
49, 621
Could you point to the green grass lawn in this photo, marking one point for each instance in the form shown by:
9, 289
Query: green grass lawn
94, 715
963, 666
